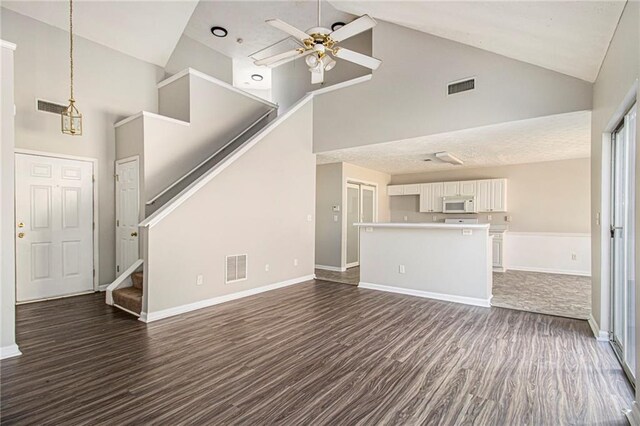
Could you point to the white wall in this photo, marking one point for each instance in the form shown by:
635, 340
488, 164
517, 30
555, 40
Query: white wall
190, 53
612, 91
7, 221
291, 81
407, 96
331, 183
260, 205
108, 86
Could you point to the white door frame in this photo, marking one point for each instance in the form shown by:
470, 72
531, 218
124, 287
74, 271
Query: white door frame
356, 181
96, 222
135, 158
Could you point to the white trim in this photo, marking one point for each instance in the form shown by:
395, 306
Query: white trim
485, 303
115, 305
549, 271
548, 234
96, 216
165, 313
9, 351
8, 45
207, 77
64, 296
331, 268
190, 190
121, 279
151, 115
342, 85
600, 335
353, 264
633, 414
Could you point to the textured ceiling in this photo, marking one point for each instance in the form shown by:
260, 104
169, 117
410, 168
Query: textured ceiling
570, 37
148, 30
556, 137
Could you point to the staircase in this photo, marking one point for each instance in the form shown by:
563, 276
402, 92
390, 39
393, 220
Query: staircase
130, 298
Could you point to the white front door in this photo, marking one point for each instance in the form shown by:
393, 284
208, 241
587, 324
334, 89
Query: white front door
127, 213
54, 227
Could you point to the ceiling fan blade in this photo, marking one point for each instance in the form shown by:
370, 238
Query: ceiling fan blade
357, 58
292, 58
280, 57
360, 25
317, 76
289, 29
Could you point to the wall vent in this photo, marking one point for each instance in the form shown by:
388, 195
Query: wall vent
461, 86
236, 268
46, 106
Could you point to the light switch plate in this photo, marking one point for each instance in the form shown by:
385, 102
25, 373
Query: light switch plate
199, 280
335, 208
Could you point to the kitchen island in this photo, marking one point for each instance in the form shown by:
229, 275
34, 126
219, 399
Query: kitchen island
451, 262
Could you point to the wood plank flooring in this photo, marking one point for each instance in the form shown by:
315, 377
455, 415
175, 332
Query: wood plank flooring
315, 353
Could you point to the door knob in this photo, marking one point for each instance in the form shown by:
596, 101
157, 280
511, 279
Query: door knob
21, 235
134, 234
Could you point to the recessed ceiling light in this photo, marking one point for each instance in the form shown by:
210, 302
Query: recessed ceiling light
256, 77
337, 25
219, 31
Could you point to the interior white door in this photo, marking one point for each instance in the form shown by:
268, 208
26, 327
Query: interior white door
353, 216
127, 213
54, 227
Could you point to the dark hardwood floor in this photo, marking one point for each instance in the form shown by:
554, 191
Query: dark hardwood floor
315, 353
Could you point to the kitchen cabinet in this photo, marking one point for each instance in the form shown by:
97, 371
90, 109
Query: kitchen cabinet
468, 187
411, 189
395, 190
497, 244
431, 197
491, 195
450, 189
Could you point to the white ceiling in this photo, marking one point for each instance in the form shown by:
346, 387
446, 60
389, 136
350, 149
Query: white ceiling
570, 37
556, 137
148, 30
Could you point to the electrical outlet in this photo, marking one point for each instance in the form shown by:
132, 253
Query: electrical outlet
406, 218
309, 218
266, 267
574, 256
401, 269
507, 218
335, 217
199, 280
489, 218
467, 232
434, 218
295, 262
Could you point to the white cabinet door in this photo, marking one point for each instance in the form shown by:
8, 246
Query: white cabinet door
468, 188
426, 197
450, 189
412, 189
483, 195
437, 189
499, 195
497, 252
395, 190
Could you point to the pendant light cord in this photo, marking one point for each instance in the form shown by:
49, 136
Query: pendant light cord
71, 44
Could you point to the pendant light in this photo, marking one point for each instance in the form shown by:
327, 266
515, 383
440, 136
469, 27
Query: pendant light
71, 117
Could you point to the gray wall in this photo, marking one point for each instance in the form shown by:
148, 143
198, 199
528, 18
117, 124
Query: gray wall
552, 196
190, 53
260, 205
292, 81
108, 86
7, 221
617, 76
407, 95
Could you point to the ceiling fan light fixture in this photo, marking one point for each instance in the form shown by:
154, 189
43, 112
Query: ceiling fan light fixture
312, 60
328, 62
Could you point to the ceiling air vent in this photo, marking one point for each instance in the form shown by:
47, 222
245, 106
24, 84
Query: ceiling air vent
236, 268
461, 86
46, 106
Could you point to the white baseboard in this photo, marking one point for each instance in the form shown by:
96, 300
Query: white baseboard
550, 271
9, 351
331, 268
600, 335
633, 414
166, 313
486, 303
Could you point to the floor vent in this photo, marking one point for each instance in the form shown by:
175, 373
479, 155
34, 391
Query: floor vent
46, 106
461, 86
236, 268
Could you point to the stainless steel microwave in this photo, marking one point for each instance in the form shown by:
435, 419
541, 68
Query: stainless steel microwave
466, 204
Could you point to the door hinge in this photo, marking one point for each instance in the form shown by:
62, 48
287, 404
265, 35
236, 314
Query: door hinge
118, 268
117, 222
94, 272
117, 177
93, 178
94, 225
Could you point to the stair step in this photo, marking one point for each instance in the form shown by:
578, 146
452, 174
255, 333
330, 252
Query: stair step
129, 298
137, 278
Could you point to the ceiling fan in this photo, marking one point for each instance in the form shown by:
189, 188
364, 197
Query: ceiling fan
319, 46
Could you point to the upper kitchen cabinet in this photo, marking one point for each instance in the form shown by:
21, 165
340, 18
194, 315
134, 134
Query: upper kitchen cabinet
395, 190
431, 197
468, 187
491, 195
450, 189
462, 188
411, 189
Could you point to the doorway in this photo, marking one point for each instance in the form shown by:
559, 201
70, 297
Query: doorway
127, 213
622, 233
361, 207
54, 227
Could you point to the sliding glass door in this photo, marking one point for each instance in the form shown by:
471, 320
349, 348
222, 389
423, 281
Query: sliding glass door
623, 242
